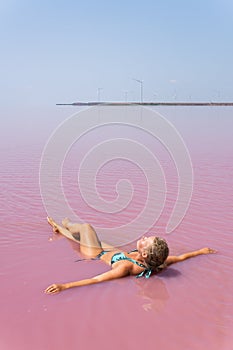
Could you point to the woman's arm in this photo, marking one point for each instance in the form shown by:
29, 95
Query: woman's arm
174, 259
118, 272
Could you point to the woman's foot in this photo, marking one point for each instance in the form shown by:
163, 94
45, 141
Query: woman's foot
53, 224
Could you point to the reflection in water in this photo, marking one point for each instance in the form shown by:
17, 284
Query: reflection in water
154, 294
154, 291
75, 246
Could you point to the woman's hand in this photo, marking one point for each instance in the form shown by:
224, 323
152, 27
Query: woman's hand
54, 288
207, 251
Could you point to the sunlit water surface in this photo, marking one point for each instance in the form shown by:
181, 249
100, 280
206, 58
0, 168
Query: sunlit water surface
188, 306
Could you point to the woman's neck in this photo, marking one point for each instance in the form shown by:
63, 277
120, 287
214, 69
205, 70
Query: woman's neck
137, 256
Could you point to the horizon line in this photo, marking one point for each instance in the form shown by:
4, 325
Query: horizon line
94, 103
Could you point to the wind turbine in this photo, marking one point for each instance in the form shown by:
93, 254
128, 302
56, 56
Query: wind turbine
141, 87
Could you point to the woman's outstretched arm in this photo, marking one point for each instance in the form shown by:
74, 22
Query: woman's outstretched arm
174, 259
118, 272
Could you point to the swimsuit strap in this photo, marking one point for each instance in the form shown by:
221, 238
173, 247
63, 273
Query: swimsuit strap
121, 256
147, 272
134, 261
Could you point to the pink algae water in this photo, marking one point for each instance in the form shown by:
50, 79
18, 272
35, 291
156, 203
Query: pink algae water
187, 306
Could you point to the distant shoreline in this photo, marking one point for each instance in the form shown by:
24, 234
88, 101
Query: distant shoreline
146, 104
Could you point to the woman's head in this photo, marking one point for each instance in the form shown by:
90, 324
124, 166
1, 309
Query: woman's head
154, 250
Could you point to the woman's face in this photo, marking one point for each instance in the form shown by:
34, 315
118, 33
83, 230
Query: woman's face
144, 243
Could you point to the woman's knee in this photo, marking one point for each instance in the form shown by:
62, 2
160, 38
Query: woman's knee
87, 227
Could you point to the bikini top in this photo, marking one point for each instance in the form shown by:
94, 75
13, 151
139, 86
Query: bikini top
121, 256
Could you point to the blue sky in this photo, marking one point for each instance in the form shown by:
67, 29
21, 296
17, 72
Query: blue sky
63, 51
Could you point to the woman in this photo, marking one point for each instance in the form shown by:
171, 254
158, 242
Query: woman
150, 256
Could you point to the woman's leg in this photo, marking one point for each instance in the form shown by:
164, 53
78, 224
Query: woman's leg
82, 233
74, 228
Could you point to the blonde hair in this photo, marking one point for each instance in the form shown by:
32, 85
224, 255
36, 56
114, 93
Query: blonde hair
157, 253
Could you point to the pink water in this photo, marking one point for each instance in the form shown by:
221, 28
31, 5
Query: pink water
188, 306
